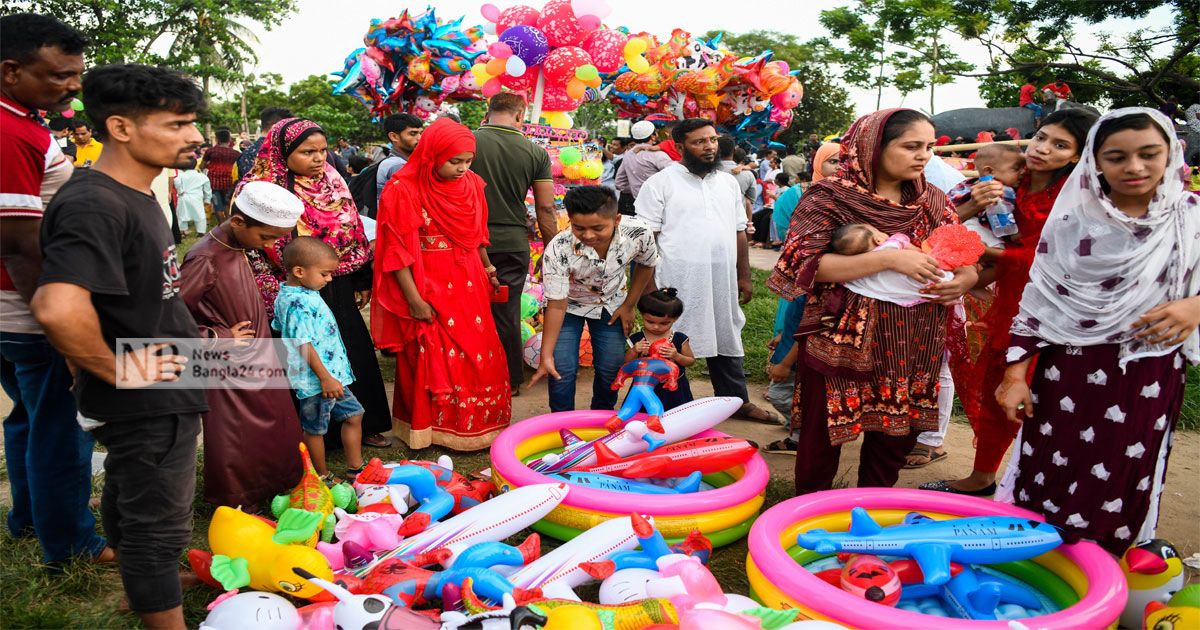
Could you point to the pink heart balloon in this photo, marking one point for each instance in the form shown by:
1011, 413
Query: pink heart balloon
490, 12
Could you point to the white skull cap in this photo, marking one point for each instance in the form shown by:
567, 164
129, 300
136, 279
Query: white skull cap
270, 204
641, 130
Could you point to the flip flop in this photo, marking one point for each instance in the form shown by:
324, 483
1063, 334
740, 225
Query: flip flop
928, 453
768, 418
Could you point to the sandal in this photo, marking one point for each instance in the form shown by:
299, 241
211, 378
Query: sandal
786, 446
927, 452
941, 485
353, 473
754, 413
375, 440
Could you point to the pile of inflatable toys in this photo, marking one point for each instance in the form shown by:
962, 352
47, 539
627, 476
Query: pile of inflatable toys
641, 500
415, 64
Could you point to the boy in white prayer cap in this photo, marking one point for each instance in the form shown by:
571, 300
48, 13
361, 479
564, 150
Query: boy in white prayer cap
251, 431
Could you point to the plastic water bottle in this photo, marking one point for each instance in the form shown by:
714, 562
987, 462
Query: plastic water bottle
1000, 215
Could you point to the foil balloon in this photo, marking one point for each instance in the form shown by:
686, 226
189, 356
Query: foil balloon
418, 71
789, 98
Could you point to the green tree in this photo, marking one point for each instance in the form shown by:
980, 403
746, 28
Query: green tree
258, 92
825, 108
206, 38
120, 30
312, 97
898, 43
471, 112
598, 118
1036, 40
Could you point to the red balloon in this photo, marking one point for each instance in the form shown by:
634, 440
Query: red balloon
556, 100
607, 48
560, 65
559, 24
515, 15
519, 84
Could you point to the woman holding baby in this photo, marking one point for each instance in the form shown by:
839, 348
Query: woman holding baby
866, 365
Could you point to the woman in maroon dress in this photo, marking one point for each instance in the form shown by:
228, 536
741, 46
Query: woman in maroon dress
867, 366
251, 431
1110, 312
431, 307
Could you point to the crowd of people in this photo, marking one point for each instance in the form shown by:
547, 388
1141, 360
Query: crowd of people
1080, 324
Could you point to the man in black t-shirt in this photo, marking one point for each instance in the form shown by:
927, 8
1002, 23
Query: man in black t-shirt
110, 272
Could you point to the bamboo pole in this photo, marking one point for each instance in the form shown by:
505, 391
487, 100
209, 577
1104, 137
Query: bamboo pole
975, 146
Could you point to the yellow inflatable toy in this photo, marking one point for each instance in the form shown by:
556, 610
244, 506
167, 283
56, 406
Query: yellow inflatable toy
1180, 613
235, 534
572, 618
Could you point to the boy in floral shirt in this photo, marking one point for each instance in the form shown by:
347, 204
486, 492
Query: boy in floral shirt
318, 368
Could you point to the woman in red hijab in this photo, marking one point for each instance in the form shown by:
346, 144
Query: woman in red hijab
431, 302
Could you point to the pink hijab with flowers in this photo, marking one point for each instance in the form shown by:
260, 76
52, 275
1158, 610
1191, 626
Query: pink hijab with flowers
329, 211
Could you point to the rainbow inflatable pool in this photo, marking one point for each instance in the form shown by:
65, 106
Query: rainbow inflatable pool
1082, 582
724, 513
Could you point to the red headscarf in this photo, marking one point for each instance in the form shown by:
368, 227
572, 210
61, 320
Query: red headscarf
984, 136
943, 141
456, 207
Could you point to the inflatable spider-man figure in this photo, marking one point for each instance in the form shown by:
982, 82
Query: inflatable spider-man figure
646, 372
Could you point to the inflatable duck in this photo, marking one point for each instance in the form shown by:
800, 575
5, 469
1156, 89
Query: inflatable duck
1154, 573
235, 534
1180, 612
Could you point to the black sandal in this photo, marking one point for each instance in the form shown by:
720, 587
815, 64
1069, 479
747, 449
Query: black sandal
941, 485
376, 440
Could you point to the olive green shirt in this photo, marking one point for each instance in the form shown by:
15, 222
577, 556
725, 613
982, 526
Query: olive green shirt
509, 163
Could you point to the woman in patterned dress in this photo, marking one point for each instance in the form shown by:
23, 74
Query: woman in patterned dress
1111, 312
867, 366
431, 302
293, 156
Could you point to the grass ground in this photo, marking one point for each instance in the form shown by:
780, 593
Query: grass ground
89, 596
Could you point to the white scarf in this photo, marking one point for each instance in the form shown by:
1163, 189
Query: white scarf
1098, 270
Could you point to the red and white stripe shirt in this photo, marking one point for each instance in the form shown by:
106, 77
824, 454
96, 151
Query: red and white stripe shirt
34, 168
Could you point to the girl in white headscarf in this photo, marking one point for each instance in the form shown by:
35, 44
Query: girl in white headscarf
1111, 313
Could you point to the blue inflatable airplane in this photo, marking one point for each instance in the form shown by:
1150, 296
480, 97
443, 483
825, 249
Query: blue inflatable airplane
975, 595
599, 481
935, 544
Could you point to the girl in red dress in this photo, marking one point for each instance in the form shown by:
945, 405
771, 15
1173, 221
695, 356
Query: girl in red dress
430, 305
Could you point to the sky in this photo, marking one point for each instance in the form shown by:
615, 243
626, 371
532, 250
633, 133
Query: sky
318, 36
